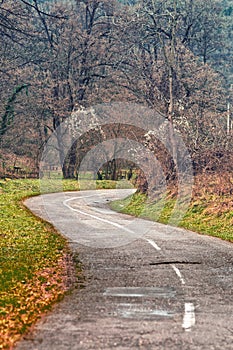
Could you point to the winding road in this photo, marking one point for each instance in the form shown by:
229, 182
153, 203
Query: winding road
147, 285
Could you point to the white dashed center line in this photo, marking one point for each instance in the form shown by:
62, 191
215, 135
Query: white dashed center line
153, 244
189, 315
177, 271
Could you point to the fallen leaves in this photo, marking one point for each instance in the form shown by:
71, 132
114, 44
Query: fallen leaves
34, 263
30, 299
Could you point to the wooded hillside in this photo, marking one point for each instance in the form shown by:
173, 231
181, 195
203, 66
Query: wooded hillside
175, 56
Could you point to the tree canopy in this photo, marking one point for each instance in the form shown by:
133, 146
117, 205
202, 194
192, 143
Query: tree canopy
172, 55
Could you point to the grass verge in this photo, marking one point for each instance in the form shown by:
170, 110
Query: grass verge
209, 212
32, 256
33, 259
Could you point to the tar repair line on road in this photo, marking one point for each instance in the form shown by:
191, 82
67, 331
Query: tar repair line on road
189, 319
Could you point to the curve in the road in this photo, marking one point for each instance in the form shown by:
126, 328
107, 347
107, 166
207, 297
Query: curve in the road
131, 282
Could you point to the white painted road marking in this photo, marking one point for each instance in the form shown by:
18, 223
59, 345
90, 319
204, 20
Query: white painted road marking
189, 317
177, 271
94, 216
153, 244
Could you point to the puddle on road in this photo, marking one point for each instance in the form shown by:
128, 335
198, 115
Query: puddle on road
139, 292
136, 310
140, 312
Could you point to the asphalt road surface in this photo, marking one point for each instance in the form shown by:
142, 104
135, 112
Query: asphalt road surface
147, 286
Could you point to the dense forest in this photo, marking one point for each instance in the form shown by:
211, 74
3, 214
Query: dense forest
175, 56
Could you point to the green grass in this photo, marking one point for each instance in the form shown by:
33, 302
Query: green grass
209, 215
31, 261
203, 218
28, 248
31, 257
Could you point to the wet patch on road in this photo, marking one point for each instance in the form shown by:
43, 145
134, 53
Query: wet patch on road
140, 292
140, 312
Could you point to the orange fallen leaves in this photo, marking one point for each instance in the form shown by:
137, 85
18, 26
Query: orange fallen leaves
30, 299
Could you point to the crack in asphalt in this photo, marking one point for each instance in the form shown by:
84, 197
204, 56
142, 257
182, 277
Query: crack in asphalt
175, 262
